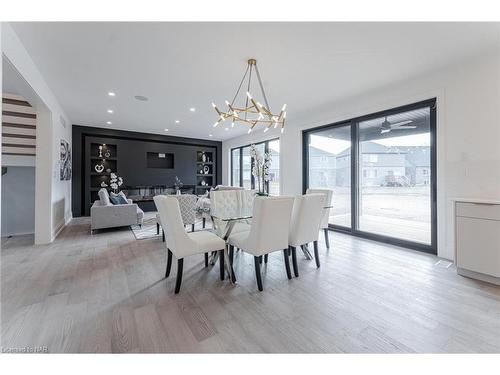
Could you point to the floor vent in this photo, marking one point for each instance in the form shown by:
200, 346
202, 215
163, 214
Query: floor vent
443, 264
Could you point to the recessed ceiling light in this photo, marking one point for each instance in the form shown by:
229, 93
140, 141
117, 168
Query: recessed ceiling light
111, 93
142, 98
192, 109
210, 135
177, 121
226, 129
108, 122
166, 130
110, 111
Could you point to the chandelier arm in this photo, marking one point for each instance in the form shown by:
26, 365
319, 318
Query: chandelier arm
262, 87
239, 87
248, 88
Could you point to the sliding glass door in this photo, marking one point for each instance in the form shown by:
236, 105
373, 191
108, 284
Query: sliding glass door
329, 160
382, 169
395, 176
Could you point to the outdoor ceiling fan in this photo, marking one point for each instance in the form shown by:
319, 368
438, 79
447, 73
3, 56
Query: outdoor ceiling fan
386, 126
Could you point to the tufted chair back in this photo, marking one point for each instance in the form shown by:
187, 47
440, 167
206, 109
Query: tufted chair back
328, 202
306, 219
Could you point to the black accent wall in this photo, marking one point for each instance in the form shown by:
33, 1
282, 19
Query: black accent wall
131, 160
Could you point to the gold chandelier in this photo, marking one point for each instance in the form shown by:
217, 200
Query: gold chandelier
251, 112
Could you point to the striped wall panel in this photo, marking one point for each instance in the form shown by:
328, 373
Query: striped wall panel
18, 126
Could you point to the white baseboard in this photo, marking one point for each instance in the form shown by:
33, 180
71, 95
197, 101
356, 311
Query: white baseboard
61, 226
17, 234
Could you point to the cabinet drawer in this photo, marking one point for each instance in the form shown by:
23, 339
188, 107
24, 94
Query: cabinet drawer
478, 245
478, 210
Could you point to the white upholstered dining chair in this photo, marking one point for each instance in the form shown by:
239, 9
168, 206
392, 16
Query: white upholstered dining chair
326, 212
180, 243
225, 202
268, 232
187, 205
305, 224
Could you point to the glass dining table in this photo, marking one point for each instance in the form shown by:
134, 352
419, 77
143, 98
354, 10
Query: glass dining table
228, 217
224, 222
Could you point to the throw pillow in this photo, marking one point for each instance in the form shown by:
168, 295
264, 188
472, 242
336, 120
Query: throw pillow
120, 198
114, 199
104, 197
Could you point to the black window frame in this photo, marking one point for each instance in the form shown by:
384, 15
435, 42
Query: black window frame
353, 123
252, 179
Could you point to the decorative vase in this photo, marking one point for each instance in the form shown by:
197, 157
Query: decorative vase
107, 154
206, 169
203, 158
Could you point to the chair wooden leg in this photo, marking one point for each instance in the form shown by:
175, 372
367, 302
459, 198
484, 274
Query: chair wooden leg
157, 228
206, 259
327, 239
265, 258
294, 261
203, 221
316, 254
192, 227
169, 263
256, 261
221, 263
231, 253
231, 257
287, 264
163, 236
178, 281
260, 259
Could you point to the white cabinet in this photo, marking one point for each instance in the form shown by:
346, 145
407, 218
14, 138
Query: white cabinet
477, 234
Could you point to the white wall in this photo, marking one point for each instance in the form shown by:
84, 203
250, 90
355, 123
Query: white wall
53, 197
468, 132
18, 201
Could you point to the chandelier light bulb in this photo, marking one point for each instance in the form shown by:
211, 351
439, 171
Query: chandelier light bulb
266, 129
275, 125
249, 131
232, 124
249, 96
227, 103
213, 105
217, 123
284, 108
282, 130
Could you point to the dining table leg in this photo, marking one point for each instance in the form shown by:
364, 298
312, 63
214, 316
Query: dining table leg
306, 252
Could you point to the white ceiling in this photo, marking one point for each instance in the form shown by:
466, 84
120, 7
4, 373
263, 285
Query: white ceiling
183, 65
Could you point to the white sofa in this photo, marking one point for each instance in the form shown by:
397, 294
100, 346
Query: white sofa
107, 215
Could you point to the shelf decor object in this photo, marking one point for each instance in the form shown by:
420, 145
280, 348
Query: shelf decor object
251, 112
99, 168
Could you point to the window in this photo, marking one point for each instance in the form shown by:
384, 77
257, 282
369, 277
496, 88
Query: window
391, 158
274, 169
246, 168
235, 165
241, 166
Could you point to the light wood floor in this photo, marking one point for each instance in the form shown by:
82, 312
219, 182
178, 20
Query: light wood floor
106, 293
